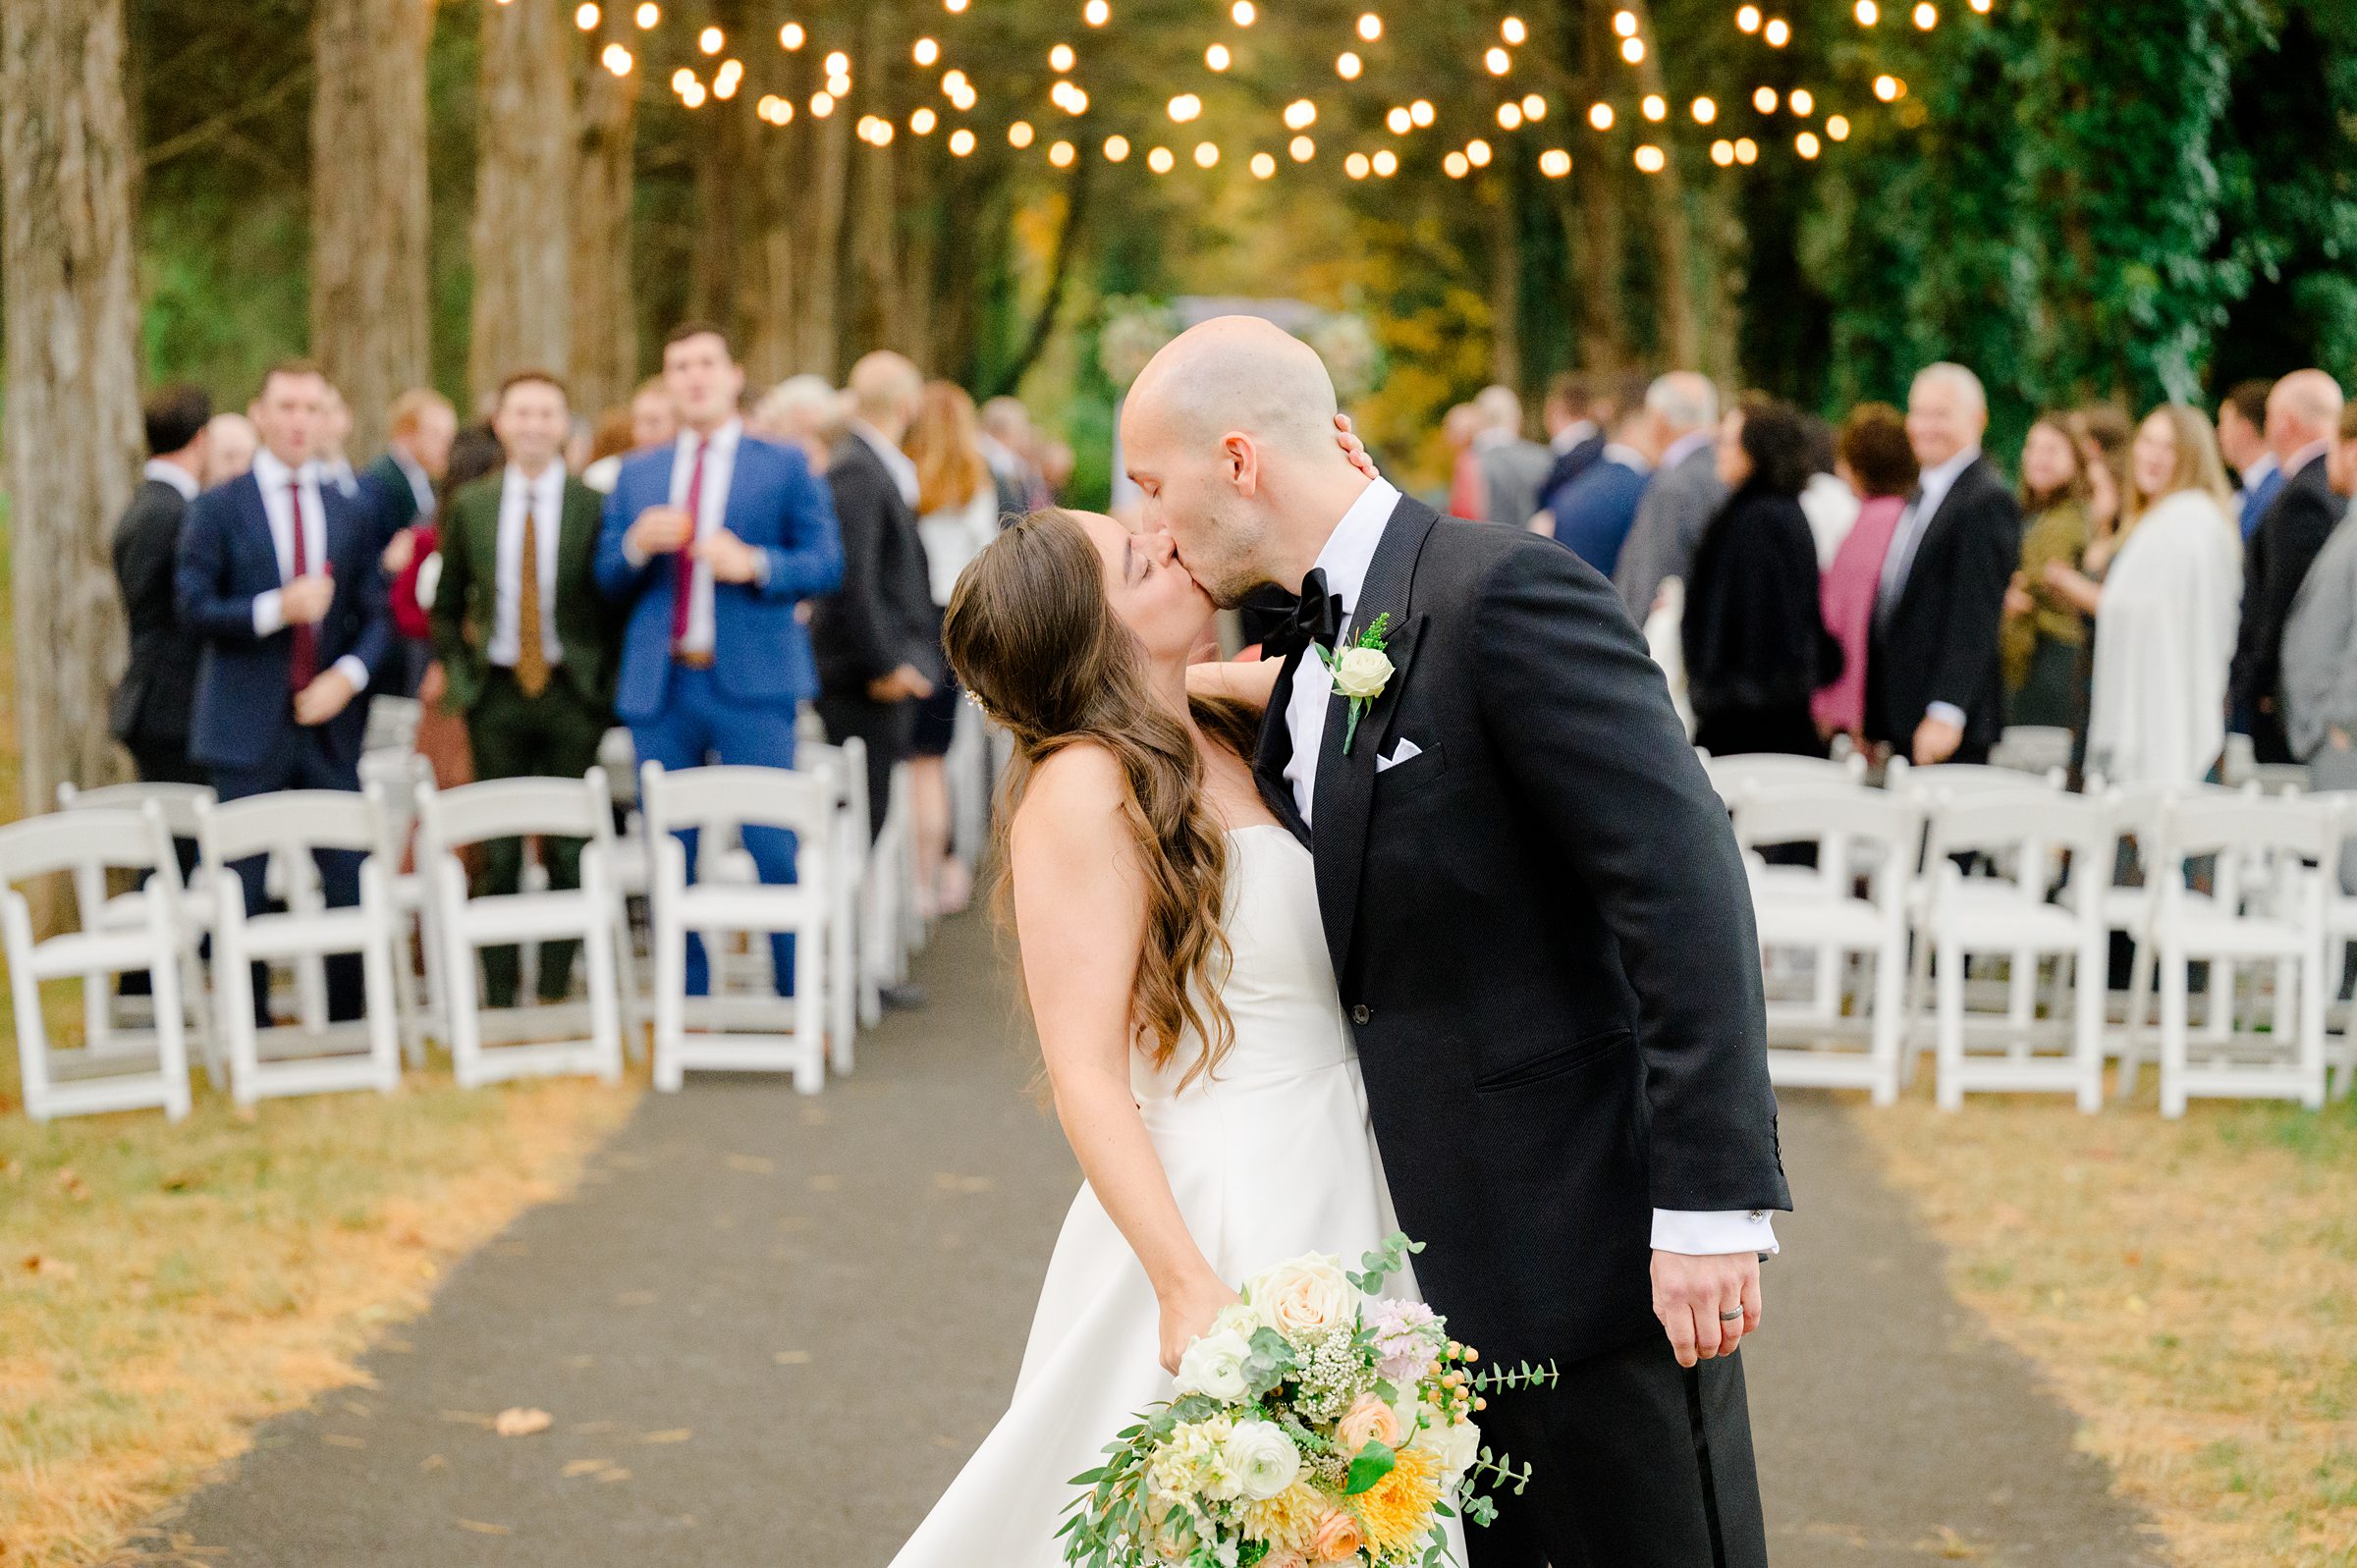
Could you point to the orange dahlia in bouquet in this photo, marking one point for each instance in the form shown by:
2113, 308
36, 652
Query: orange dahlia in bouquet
1317, 1423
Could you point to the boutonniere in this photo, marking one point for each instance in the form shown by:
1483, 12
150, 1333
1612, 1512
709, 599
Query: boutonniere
1361, 670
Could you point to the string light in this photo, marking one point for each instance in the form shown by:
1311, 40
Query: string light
1868, 12
1747, 151
1803, 102
1370, 27
961, 141
922, 122
1060, 58
694, 98
1242, 13
1514, 32
1632, 50
1554, 163
1705, 111
791, 36
1386, 162
1062, 154
1806, 144
1399, 123
1207, 155
1890, 88
1656, 107
1747, 19
1347, 66
924, 54
1927, 15
1263, 166
1723, 152
1649, 159
725, 79
1186, 106
841, 86
1764, 100
1456, 166
1300, 115
711, 40
1497, 61
774, 109
680, 77
956, 8
647, 15
1117, 149
1624, 23
1356, 165
953, 84
1161, 160
1509, 117
1019, 135
822, 104
1217, 57
1477, 153
838, 64
617, 59
1301, 149
1096, 13
1837, 126
1778, 33
1422, 111
588, 17
1600, 115
1534, 108
1980, 6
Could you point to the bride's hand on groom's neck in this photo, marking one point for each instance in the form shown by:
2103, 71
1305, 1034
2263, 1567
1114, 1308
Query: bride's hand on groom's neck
1251, 682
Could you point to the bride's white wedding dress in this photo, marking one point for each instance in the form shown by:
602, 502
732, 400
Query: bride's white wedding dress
1271, 1160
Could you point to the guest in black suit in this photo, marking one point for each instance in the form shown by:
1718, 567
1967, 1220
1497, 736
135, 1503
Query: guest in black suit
2302, 413
150, 710
1935, 689
874, 638
1755, 643
278, 577
421, 425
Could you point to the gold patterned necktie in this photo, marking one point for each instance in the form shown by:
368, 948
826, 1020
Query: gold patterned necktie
531, 647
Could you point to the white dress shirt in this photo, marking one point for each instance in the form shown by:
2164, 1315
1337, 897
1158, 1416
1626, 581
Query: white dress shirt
711, 513
276, 480
897, 462
1349, 551
1931, 490
2300, 459
1571, 435
422, 483
164, 471
545, 496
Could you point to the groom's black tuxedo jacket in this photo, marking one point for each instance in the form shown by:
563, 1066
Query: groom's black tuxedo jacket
1543, 935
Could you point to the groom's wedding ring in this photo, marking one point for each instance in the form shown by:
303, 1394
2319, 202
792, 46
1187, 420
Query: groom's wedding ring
1732, 1316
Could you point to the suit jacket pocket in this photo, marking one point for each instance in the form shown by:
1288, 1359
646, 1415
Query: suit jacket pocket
1555, 1063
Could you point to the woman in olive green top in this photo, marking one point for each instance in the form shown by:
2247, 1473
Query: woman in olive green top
2044, 633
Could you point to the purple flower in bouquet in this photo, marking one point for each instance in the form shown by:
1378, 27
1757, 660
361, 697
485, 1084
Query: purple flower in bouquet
1406, 1338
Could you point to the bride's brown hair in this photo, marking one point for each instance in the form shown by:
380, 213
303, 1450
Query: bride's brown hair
1030, 634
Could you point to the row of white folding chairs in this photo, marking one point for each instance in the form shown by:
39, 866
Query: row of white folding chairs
2266, 907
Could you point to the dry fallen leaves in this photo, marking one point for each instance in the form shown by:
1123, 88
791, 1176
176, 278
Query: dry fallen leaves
675, 1434
69, 1182
519, 1422
587, 1466
49, 1268
481, 1529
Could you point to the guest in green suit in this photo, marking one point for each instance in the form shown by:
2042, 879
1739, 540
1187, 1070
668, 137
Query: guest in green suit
526, 642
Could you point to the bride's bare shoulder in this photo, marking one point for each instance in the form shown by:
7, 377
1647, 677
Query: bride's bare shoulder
1072, 804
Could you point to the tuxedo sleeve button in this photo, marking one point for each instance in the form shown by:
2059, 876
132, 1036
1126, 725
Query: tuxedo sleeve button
1362, 1013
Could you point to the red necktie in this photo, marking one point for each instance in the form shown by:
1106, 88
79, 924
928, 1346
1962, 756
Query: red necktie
304, 665
682, 565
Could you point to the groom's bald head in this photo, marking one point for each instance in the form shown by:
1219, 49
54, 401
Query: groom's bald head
1228, 433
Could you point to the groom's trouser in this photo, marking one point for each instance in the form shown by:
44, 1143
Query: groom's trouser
1637, 1463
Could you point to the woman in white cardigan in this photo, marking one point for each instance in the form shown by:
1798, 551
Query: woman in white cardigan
2166, 614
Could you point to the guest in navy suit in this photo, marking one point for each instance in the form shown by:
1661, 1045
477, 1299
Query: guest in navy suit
709, 546
1592, 515
277, 576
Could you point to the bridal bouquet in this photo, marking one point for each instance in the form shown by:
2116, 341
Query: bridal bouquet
1315, 1423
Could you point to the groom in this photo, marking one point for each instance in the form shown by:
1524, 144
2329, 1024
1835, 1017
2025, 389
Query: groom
1540, 926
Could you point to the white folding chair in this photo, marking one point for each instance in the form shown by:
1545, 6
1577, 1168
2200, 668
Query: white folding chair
1737, 772
314, 1055
738, 1033
192, 912
392, 781
2263, 907
2008, 913
833, 766
1824, 911
2032, 748
1961, 780
95, 841
514, 808
392, 725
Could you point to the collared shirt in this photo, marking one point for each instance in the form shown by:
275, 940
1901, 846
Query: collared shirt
896, 463
421, 484
2300, 459
279, 483
1571, 435
2255, 480
711, 513
338, 472
173, 474
546, 497
1629, 457
1686, 446
1349, 551
1348, 554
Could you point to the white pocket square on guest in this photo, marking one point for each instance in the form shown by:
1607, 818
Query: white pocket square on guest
1405, 751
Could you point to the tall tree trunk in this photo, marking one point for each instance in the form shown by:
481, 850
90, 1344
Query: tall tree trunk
876, 209
819, 276
368, 204
1666, 207
523, 186
73, 431
605, 315
1506, 278
764, 214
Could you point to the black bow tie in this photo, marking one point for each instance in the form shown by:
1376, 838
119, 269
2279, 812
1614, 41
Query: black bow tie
1317, 619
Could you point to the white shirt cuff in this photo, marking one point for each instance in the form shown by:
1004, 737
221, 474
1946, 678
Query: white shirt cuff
352, 670
1711, 1234
761, 568
269, 617
631, 552
1948, 713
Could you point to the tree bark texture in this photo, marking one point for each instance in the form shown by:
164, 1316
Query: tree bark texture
524, 189
605, 315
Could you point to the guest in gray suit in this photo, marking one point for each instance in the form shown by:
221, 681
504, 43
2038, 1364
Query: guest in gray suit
1684, 495
1514, 468
2320, 647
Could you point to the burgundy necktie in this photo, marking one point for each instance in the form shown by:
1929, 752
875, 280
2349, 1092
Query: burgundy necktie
682, 563
304, 665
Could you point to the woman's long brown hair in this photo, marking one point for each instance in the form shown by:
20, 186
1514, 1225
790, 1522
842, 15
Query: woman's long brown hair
1031, 635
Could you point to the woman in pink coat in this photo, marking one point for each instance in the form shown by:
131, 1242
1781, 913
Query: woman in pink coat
1879, 465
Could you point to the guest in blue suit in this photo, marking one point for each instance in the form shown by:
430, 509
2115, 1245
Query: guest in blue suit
709, 546
277, 576
1594, 512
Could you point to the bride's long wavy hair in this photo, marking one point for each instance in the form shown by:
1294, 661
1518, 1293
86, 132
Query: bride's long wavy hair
1030, 634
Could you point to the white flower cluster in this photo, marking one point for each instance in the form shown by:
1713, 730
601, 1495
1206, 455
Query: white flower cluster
1332, 1374
1221, 1459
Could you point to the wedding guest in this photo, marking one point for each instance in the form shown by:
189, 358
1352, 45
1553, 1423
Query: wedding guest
278, 577
526, 641
1684, 495
1934, 692
401, 484
2242, 442
1828, 502
1007, 441
2302, 413
1754, 643
1514, 468
1467, 496
805, 412
1873, 456
581, 443
708, 548
2165, 612
2319, 649
2044, 636
1056, 462
229, 446
957, 514
875, 637
442, 731
335, 463
149, 714
609, 444
1575, 434
1592, 515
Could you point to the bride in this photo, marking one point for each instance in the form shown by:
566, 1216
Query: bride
1176, 971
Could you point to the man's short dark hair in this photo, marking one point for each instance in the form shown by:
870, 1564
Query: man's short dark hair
176, 417
1573, 390
521, 378
289, 367
1874, 443
2249, 400
698, 329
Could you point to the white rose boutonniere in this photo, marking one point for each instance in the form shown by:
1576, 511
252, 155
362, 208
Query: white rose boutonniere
1362, 670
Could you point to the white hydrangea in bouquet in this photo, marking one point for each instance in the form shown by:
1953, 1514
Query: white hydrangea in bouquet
1316, 1423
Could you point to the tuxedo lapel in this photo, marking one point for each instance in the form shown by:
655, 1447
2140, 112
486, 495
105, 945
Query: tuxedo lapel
1275, 752
1345, 784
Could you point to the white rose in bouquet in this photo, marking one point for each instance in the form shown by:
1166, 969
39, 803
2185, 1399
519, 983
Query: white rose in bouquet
1214, 1366
1361, 673
1261, 1458
1238, 1318
1306, 1296
1455, 1444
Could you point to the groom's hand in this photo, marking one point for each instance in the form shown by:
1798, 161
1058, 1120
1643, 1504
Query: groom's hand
1690, 1294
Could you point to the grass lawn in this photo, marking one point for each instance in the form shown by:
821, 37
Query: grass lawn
2190, 1287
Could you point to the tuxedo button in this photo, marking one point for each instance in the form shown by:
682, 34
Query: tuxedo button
1362, 1014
